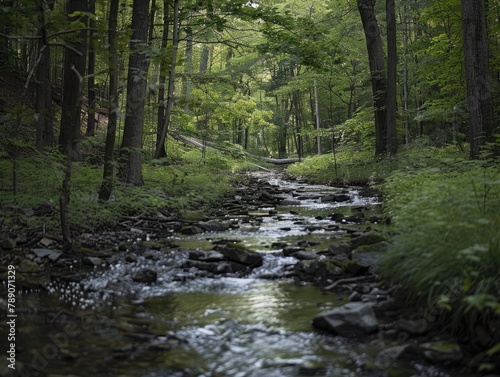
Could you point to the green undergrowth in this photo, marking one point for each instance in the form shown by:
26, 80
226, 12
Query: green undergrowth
353, 166
185, 181
446, 250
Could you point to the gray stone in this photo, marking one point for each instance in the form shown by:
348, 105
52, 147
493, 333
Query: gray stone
352, 319
206, 256
239, 254
94, 261
7, 244
225, 267
53, 255
305, 255
413, 327
367, 239
145, 276
387, 357
354, 297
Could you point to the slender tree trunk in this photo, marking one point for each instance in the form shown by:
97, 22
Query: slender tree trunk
91, 74
108, 173
392, 140
479, 91
189, 69
377, 70
162, 80
131, 150
74, 70
45, 121
171, 80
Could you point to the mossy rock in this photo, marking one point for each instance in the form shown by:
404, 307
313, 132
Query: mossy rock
28, 266
367, 239
192, 215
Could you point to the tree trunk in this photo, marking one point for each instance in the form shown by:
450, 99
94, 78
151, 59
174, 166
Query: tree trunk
45, 121
74, 70
162, 80
171, 81
131, 149
392, 67
108, 173
91, 75
479, 91
377, 70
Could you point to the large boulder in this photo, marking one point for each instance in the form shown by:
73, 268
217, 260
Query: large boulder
352, 319
238, 253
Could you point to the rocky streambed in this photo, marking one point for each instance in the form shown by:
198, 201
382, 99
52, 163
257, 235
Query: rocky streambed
280, 280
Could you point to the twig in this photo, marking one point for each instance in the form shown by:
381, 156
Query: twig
349, 280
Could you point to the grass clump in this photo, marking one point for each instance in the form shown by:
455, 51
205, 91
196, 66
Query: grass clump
446, 251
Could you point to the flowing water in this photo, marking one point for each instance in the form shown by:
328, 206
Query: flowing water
187, 324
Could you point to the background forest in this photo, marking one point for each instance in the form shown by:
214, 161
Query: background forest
101, 103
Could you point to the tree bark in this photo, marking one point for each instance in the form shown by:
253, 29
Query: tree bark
161, 91
392, 141
130, 170
74, 70
108, 173
171, 81
377, 71
45, 121
91, 75
479, 90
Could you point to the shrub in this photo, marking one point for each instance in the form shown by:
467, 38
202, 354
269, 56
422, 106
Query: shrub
446, 251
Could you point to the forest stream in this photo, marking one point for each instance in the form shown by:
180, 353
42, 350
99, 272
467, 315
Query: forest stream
157, 311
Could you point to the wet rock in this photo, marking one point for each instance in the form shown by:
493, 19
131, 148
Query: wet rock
340, 248
28, 266
335, 198
291, 249
413, 327
279, 244
446, 352
240, 254
146, 275
366, 260
52, 255
336, 216
387, 357
355, 268
206, 256
366, 239
94, 261
7, 244
352, 319
224, 267
354, 297
191, 230
305, 255
213, 226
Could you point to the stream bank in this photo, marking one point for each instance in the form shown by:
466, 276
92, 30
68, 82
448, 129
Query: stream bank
230, 294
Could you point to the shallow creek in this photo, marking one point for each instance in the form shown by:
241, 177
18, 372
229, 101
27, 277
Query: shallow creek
190, 325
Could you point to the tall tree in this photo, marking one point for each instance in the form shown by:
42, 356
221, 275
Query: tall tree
131, 149
74, 71
108, 173
45, 121
160, 149
91, 73
392, 67
377, 71
171, 81
479, 90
